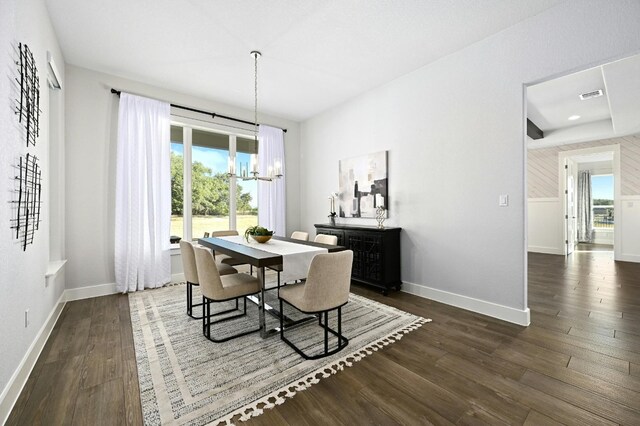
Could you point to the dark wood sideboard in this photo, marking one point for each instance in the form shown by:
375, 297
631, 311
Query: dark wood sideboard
376, 253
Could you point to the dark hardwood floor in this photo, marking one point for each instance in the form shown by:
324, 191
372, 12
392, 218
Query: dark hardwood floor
578, 362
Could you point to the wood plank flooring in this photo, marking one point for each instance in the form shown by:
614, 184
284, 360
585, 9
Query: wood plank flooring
578, 362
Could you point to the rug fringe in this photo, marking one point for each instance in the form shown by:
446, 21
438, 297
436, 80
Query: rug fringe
279, 396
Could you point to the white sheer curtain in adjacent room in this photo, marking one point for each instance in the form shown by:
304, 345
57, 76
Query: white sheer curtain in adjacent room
143, 194
585, 208
271, 195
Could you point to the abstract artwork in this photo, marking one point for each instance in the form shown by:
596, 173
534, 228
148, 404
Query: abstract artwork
28, 192
28, 105
363, 185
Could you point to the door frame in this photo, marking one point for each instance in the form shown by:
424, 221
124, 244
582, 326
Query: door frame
562, 187
569, 172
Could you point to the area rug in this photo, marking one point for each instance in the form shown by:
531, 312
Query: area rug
186, 379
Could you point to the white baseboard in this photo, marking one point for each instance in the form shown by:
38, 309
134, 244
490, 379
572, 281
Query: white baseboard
629, 258
505, 313
545, 250
19, 378
89, 291
104, 289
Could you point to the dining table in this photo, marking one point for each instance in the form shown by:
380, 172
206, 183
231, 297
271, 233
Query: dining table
259, 257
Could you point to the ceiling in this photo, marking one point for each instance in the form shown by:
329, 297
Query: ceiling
615, 113
316, 53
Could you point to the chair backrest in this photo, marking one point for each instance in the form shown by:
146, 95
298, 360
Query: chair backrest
326, 239
329, 280
226, 233
188, 262
299, 235
210, 282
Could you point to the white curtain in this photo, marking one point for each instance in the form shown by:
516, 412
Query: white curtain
271, 195
585, 208
143, 194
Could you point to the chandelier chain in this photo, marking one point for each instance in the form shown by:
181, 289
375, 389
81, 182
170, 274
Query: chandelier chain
255, 99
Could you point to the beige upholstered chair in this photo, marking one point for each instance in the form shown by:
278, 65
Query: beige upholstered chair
299, 235
326, 239
326, 289
191, 274
217, 288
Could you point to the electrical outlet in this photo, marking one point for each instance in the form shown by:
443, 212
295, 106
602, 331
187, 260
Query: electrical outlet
503, 200
26, 318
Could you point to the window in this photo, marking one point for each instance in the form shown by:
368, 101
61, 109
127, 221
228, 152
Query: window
602, 194
201, 191
177, 180
247, 191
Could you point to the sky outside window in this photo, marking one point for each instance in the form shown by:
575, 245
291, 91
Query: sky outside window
602, 187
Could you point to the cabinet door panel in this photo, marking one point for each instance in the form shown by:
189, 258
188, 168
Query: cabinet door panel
367, 255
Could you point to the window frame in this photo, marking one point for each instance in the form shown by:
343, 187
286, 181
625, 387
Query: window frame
188, 125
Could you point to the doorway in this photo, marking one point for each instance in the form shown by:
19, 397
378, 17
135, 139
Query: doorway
589, 198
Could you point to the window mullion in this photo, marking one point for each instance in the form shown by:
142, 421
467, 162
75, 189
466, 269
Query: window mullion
186, 202
232, 186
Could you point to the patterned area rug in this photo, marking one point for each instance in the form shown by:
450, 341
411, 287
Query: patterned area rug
185, 379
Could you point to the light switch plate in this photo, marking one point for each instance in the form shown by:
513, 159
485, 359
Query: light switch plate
503, 200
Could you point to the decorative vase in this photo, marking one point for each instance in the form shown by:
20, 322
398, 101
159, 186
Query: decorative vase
332, 220
261, 238
380, 216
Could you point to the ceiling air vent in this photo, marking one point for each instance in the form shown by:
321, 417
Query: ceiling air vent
590, 95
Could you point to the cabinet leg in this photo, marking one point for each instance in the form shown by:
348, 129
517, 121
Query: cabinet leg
385, 292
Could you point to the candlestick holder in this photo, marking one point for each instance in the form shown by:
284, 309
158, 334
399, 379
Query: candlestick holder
381, 214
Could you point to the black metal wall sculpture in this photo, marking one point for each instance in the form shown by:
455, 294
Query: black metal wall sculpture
27, 206
28, 105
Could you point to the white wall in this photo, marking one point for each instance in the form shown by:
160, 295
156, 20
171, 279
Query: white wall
91, 132
545, 228
454, 130
22, 273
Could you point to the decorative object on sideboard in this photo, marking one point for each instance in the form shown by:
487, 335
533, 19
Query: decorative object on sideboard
27, 103
28, 191
381, 215
274, 171
332, 207
363, 185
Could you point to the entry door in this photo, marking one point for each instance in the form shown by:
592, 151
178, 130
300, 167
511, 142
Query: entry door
570, 203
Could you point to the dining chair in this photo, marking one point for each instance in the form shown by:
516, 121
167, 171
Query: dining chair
222, 288
326, 289
191, 274
228, 260
326, 239
299, 235
295, 235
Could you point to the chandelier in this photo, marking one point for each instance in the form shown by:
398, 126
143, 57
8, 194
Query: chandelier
251, 173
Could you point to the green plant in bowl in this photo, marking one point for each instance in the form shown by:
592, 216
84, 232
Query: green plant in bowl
258, 233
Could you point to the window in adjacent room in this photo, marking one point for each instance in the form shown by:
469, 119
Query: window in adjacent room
602, 194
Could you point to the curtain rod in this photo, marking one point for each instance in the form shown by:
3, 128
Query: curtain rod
212, 114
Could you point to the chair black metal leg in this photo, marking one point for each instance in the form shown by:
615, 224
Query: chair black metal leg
281, 321
207, 322
326, 332
342, 340
189, 298
339, 325
190, 304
